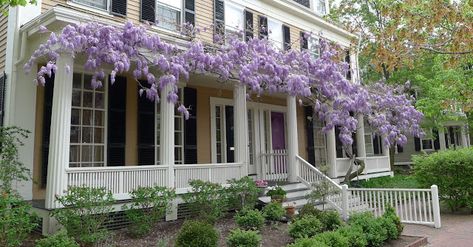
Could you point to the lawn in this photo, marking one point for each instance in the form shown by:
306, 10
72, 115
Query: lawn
398, 181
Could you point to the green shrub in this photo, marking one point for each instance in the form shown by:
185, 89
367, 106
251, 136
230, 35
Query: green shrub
451, 171
207, 200
84, 213
390, 213
373, 228
308, 242
330, 220
242, 193
273, 211
60, 239
249, 219
197, 234
16, 221
305, 227
309, 209
148, 205
334, 239
354, 234
242, 238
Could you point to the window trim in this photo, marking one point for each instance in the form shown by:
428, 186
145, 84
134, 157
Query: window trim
105, 134
426, 138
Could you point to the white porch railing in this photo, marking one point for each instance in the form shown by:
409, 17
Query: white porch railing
415, 206
215, 173
121, 180
373, 164
274, 165
309, 175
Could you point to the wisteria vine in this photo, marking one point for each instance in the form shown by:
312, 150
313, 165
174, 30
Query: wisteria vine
256, 63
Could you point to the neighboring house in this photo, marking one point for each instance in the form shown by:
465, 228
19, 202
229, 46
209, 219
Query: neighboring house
453, 135
110, 137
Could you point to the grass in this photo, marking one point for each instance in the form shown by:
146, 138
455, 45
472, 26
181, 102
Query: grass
398, 181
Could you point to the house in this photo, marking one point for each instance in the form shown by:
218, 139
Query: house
110, 137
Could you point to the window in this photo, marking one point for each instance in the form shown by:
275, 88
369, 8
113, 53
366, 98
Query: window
286, 31
168, 14
305, 3
248, 25
99, 4
427, 143
369, 148
314, 47
234, 18
219, 133
275, 34
88, 117
320, 144
219, 18
320, 7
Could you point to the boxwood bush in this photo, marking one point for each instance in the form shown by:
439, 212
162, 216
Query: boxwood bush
372, 227
330, 220
273, 211
197, 234
242, 238
452, 172
249, 219
354, 234
305, 227
335, 239
60, 239
308, 242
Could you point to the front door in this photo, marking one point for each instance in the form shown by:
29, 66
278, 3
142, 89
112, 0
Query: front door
278, 131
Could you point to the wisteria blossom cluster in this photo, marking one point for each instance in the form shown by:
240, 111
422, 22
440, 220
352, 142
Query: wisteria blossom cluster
256, 63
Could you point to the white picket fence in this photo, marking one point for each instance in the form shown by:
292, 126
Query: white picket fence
414, 206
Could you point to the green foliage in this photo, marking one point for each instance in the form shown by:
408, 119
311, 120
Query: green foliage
451, 171
334, 239
330, 220
148, 205
208, 200
309, 209
321, 191
11, 169
84, 213
373, 228
276, 192
354, 234
14, 3
249, 219
60, 239
308, 242
273, 211
242, 238
392, 223
197, 234
16, 222
305, 227
242, 193
398, 181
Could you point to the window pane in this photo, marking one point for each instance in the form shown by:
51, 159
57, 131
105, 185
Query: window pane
88, 82
168, 17
98, 154
77, 80
101, 4
75, 97
99, 100
88, 99
98, 135
75, 117
87, 153
99, 118
87, 117
87, 134
75, 134
74, 154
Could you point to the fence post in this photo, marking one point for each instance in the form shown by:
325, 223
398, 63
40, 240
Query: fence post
345, 202
436, 205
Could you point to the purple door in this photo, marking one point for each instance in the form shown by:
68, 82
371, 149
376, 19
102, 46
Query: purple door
277, 130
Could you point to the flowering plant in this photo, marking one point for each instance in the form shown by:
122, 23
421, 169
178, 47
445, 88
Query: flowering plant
276, 192
261, 183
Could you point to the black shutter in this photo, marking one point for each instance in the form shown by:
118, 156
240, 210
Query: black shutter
189, 11
436, 139
348, 60
338, 143
354, 149
263, 27
146, 130
304, 41
219, 18
376, 144
3, 81
116, 136
190, 126
309, 120
119, 7
148, 10
400, 149
47, 112
229, 133
446, 140
248, 25
286, 32
417, 144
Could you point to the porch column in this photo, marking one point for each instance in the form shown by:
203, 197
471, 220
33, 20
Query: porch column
166, 142
331, 153
240, 123
59, 144
292, 140
360, 137
464, 136
442, 141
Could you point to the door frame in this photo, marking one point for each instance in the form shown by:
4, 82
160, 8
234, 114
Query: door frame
258, 110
